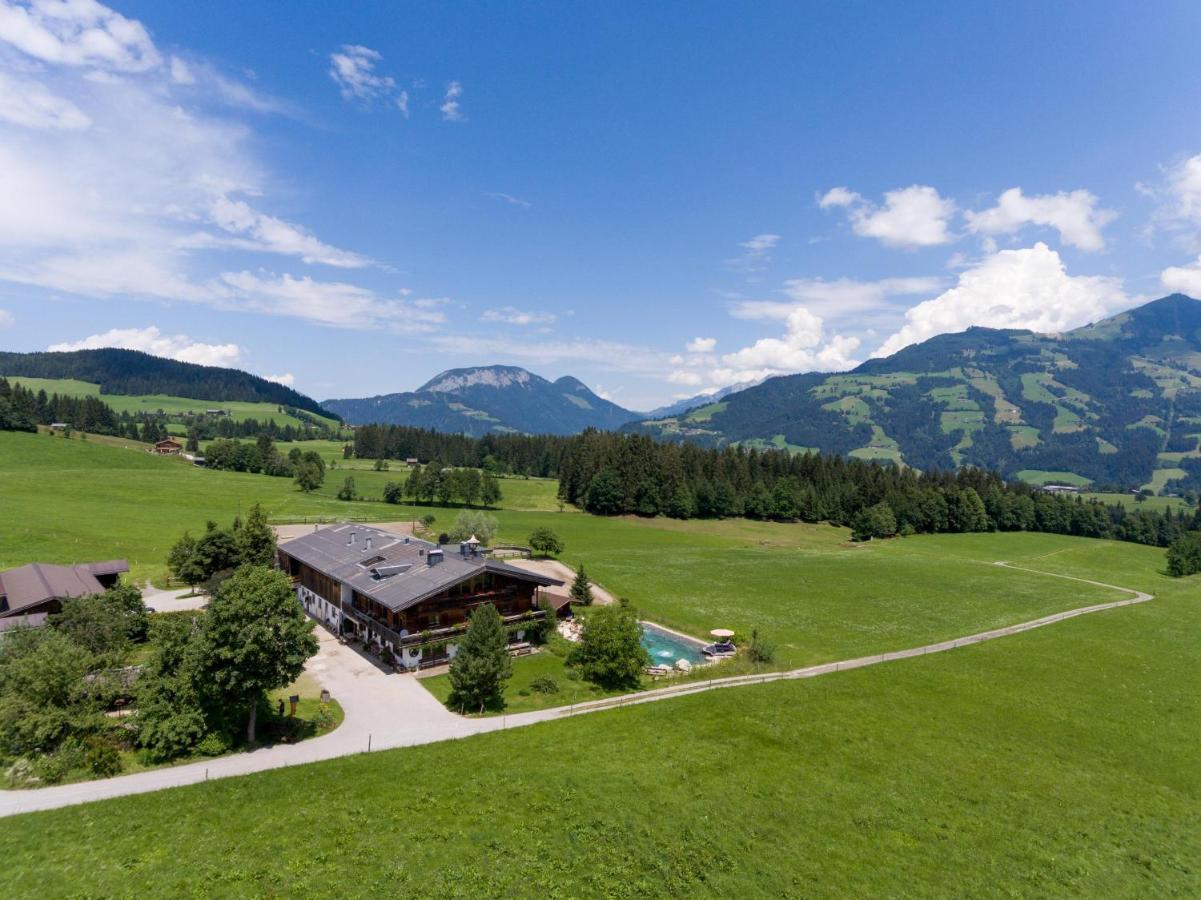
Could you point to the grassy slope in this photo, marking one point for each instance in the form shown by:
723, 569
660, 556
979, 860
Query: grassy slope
155, 402
1060, 762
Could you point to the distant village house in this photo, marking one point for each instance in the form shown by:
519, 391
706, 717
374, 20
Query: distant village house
168, 447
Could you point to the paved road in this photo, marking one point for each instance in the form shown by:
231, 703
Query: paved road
396, 711
173, 600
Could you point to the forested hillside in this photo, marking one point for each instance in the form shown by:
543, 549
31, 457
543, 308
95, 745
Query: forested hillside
1117, 403
132, 372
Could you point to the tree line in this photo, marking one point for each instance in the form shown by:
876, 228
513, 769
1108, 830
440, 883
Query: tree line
500, 454
622, 474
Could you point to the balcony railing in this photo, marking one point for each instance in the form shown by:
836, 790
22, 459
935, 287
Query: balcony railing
431, 635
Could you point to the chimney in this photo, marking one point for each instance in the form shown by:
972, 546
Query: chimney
434, 557
368, 543
350, 543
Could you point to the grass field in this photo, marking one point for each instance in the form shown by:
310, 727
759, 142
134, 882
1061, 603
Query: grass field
161, 402
1060, 762
1042, 476
1152, 504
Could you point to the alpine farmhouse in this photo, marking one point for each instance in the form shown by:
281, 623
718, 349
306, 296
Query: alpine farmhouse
409, 595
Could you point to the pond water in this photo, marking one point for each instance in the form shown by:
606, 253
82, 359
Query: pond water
665, 648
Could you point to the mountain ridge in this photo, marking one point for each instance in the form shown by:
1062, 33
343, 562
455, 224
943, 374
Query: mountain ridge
133, 372
477, 400
1116, 402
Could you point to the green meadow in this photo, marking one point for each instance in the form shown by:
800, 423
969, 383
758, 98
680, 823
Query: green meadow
1056, 763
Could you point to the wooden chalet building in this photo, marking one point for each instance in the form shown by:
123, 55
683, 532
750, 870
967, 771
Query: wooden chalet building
167, 447
30, 594
409, 595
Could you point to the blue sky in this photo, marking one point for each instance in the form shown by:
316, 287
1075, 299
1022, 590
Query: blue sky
660, 199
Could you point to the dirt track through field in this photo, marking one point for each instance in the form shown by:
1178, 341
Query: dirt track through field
386, 711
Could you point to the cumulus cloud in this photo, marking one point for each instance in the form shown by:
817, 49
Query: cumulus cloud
451, 111
287, 379
78, 33
756, 253
151, 340
1183, 279
803, 348
1074, 215
353, 70
701, 345
510, 315
1027, 288
685, 377
914, 216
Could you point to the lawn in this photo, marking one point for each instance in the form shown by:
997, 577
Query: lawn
134, 405
519, 697
1151, 504
1059, 762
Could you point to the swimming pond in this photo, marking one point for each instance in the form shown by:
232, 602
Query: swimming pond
665, 648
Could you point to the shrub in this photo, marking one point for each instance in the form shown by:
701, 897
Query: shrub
393, 492
761, 650
102, 757
214, 744
544, 684
1184, 556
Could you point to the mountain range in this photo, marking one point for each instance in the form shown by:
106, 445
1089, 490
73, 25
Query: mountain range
477, 401
1116, 402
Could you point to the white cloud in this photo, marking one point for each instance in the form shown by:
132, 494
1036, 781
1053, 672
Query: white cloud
31, 105
915, 216
838, 196
268, 234
6, 318
1179, 196
78, 33
353, 71
803, 348
402, 102
324, 302
685, 377
1183, 279
510, 199
756, 253
1074, 215
509, 315
451, 112
701, 345
151, 340
287, 379
1027, 288
835, 299
180, 73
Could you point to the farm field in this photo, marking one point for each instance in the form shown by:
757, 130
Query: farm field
1041, 476
1152, 504
1059, 762
132, 404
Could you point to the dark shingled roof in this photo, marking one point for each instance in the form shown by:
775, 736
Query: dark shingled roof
391, 569
30, 585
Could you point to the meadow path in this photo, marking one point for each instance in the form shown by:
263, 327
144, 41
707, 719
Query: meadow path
385, 711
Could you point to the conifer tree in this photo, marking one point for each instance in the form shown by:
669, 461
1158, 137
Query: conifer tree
481, 665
